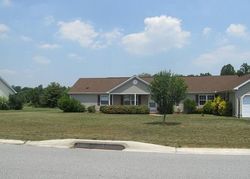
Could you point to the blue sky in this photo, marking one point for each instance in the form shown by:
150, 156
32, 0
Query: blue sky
43, 41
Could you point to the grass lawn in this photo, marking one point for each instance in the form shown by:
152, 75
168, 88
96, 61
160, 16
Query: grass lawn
183, 131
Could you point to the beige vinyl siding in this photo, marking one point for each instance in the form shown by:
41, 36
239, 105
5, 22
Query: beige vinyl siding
130, 88
86, 99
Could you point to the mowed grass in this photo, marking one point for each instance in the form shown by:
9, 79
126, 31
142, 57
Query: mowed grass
181, 131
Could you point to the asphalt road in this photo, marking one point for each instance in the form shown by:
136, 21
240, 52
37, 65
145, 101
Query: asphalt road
17, 161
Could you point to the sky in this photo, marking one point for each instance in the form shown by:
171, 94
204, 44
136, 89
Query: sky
47, 41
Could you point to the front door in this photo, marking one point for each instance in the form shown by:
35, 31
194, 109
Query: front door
152, 106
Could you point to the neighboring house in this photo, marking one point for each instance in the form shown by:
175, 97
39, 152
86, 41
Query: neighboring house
135, 91
5, 88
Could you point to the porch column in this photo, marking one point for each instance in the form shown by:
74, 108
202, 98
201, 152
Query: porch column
109, 99
134, 99
112, 99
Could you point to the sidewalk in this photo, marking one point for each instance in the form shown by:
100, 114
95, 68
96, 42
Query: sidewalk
130, 146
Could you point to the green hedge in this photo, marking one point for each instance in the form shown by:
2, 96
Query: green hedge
91, 109
125, 109
189, 106
4, 104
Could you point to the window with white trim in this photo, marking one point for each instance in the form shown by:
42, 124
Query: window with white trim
104, 100
210, 97
204, 98
129, 99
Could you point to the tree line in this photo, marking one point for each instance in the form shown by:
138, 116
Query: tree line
40, 96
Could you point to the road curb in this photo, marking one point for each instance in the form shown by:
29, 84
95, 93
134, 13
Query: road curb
10, 141
131, 146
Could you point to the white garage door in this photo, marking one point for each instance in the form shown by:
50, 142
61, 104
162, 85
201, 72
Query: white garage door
246, 106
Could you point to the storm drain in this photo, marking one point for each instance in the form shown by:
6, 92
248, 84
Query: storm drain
99, 146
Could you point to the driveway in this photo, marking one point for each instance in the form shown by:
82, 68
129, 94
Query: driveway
19, 161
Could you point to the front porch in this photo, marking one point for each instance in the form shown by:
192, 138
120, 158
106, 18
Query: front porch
129, 99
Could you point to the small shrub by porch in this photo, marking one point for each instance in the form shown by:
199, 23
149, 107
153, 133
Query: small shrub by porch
125, 109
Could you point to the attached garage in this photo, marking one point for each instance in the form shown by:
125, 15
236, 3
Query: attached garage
246, 106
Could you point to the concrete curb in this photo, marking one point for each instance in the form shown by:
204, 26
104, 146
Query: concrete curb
131, 146
10, 141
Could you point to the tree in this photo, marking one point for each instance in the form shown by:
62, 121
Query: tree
144, 75
205, 74
227, 70
35, 96
166, 90
51, 94
244, 69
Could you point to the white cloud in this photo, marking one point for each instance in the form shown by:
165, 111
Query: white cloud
41, 60
220, 56
26, 38
206, 31
7, 72
237, 30
48, 20
161, 33
86, 35
49, 46
79, 31
75, 57
4, 29
6, 3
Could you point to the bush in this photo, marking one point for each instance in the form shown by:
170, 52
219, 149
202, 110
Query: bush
124, 109
15, 102
189, 106
208, 107
199, 111
3, 103
218, 107
91, 109
68, 104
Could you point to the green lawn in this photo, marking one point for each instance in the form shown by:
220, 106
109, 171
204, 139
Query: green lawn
182, 130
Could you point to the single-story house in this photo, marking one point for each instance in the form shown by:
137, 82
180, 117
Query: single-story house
5, 89
135, 91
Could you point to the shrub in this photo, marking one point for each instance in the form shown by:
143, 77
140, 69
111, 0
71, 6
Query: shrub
218, 107
3, 103
68, 104
124, 109
208, 107
15, 102
189, 106
91, 109
199, 111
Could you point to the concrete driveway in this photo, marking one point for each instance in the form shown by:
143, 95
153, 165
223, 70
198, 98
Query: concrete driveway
20, 161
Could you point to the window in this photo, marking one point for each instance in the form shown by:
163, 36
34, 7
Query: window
129, 99
152, 104
202, 99
210, 97
104, 100
126, 100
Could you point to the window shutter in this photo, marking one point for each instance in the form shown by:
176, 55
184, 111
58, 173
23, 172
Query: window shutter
98, 100
197, 99
139, 100
121, 99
